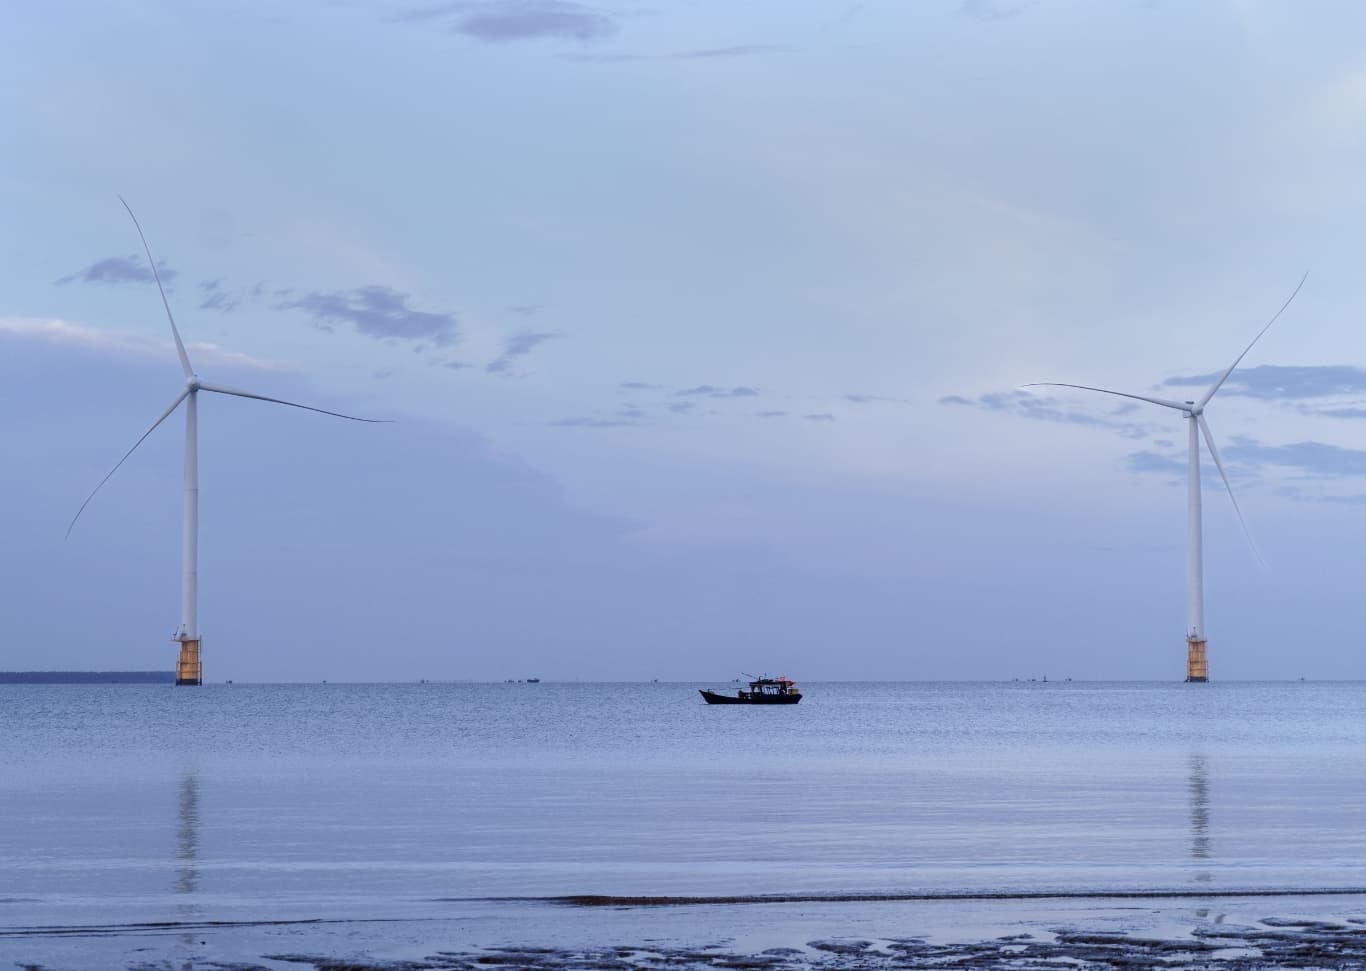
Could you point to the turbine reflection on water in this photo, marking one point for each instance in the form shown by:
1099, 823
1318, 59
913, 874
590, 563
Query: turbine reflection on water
1198, 787
186, 881
187, 836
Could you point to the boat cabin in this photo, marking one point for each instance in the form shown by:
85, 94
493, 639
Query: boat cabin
771, 687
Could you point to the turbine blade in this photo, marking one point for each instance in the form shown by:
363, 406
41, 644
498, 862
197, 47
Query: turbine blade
1214, 454
179, 345
1224, 377
164, 415
220, 389
1178, 405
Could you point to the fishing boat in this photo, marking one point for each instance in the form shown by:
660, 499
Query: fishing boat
762, 691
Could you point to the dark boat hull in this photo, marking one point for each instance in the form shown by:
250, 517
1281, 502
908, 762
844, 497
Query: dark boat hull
713, 698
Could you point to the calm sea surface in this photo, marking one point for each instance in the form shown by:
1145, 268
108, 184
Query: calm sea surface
231, 802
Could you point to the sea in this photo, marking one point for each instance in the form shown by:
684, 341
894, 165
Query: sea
150, 826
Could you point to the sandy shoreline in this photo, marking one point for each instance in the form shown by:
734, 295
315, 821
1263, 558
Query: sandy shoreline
1229, 933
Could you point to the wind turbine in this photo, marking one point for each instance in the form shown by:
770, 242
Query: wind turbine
189, 669
1197, 667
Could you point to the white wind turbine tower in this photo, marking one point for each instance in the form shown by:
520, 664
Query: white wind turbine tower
1197, 667
189, 669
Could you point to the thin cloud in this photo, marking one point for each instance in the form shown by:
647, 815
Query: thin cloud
215, 297
712, 391
868, 399
822, 416
1353, 500
1297, 494
514, 347
1175, 469
1282, 382
1045, 408
1313, 459
505, 21
771, 414
734, 50
378, 312
993, 10
1244, 455
115, 270
638, 386
682, 407
694, 54
593, 422
1155, 462
61, 332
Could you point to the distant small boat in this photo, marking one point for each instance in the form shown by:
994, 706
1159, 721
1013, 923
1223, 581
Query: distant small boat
533, 680
762, 691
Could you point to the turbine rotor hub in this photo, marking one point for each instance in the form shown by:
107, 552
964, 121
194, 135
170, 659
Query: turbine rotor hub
192, 382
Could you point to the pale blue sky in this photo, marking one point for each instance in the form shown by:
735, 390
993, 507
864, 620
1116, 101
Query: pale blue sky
702, 326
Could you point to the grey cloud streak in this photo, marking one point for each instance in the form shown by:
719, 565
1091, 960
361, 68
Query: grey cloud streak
215, 297
866, 399
1315, 459
697, 54
593, 422
114, 270
1282, 382
712, 391
1154, 462
503, 21
514, 347
1040, 408
378, 312
1243, 455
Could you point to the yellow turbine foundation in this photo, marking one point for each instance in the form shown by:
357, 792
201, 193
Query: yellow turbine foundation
189, 669
1197, 668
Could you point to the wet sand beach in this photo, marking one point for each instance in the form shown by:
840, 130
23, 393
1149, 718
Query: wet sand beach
1233, 933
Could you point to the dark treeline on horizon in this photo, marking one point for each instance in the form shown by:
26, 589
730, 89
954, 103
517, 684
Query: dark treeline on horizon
87, 677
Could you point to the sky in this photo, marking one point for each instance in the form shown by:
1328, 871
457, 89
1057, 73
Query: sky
701, 332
